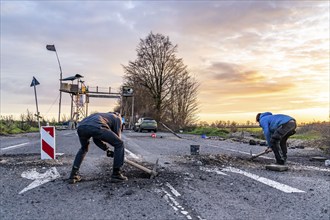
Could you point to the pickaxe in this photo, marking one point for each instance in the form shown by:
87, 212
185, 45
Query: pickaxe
259, 154
152, 172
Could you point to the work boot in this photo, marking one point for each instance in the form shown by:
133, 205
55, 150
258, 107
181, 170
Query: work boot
280, 162
74, 176
118, 177
285, 158
109, 153
277, 152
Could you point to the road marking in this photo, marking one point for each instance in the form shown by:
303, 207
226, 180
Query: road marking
39, 178
132, 144
14, 146
280, 186
175, 204
176, 193
298, 166
131, 154
213, 170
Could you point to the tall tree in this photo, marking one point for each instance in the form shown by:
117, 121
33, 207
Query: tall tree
184, 101
159, 78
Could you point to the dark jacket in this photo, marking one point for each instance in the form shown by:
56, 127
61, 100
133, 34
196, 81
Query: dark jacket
270, 123
109, 121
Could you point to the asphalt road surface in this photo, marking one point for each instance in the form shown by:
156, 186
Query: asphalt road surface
219, 183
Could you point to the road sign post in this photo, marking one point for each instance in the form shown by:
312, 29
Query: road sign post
34, 83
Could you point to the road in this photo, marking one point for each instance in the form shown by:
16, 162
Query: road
219, 183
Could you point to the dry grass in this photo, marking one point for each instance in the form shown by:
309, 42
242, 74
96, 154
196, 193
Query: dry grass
318, 133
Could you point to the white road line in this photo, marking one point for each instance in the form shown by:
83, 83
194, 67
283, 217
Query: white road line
213, 170
175, 204
297, 165
174, 191
131, 154
14, 146
280, 186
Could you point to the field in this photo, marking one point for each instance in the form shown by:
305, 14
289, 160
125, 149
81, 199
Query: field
312, 134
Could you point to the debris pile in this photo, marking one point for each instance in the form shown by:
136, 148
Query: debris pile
222, 160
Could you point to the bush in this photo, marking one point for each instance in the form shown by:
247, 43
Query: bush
209, 131
317, 134
9, 126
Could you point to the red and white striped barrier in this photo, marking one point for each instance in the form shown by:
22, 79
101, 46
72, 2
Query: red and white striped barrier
48, 142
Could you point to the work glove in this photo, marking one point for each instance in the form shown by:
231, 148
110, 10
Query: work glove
110, 153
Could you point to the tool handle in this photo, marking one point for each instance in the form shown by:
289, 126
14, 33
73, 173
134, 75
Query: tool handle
139, 166
257, 155
170, 130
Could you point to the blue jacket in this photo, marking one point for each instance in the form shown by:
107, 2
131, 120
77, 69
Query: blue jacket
270, 123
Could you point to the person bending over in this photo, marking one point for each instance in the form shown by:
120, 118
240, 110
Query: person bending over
103, 128
277, 129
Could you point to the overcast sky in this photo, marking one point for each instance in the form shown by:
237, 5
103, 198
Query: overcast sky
249, 56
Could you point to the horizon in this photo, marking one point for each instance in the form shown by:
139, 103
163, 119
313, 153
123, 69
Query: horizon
248, 57
244, 121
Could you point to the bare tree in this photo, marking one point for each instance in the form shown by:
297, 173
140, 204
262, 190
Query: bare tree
183, 101
158, 77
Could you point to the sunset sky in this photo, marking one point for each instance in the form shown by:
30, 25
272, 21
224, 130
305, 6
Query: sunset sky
249, 56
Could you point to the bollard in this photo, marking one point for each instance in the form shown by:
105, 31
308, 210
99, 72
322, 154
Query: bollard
48, 142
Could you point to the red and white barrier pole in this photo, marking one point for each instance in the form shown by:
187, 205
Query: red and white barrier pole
48, 142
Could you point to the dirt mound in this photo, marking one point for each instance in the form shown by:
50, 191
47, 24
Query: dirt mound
221, 160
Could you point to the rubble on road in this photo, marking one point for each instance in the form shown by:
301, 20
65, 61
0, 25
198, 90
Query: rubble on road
220, 160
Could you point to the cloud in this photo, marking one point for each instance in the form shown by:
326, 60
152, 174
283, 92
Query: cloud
261, 52
233, 79
234, 73
224, 18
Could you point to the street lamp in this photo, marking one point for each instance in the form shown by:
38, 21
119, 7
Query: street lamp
52, 48
128, 92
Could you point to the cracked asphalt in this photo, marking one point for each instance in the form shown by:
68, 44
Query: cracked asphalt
219, 183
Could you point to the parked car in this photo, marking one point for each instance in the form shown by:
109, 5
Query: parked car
148, 124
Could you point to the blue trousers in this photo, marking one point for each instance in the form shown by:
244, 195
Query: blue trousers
100, 137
